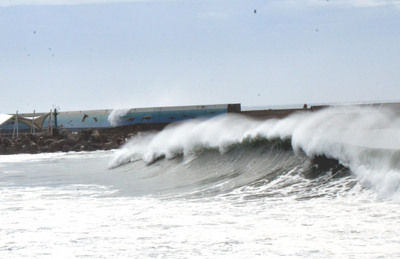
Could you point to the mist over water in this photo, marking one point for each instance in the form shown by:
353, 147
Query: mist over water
313, 185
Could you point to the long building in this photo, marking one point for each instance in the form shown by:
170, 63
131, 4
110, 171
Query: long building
104, 119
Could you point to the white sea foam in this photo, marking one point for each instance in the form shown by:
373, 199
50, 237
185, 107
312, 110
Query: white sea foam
115, 116
21, 158
365, 139
68, 205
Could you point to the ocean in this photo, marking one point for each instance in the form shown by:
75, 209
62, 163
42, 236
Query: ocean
320, 184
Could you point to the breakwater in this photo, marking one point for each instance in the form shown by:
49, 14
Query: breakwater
65, 141
92, 129
84, 134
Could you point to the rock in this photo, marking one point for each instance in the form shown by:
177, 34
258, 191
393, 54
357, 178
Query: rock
48, 142
57, 145
40, 141
71, 140
63, 133
11, 150
110, 145
18, 145
3, 150
6, 142
85, 140
85, 134
25, 140
76, 147
66, 148
130, 135
32, 137
95, 136
33, 147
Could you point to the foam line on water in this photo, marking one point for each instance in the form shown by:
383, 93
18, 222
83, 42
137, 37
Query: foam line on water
20, 158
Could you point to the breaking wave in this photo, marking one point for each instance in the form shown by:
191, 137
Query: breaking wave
358, 142
115, 116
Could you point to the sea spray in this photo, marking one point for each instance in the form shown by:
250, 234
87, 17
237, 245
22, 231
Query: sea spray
365, 139
115, 116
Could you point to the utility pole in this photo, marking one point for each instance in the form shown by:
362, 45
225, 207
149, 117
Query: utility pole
55, 118
50, 126
55, 132
33, 121
15, 130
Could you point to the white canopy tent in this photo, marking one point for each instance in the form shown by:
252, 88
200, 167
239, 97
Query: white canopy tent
35, 122
4, 118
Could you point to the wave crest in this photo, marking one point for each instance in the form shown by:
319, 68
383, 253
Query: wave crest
364, 139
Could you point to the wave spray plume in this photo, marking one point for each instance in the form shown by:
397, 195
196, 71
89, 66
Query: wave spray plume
364, 139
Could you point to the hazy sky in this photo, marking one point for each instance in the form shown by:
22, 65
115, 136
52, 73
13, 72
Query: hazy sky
91, 54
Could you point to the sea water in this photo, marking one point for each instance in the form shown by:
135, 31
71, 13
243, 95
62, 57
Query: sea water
227, 187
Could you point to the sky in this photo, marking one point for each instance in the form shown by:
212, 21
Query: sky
101, 54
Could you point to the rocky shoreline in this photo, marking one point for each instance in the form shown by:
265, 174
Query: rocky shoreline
64, 141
